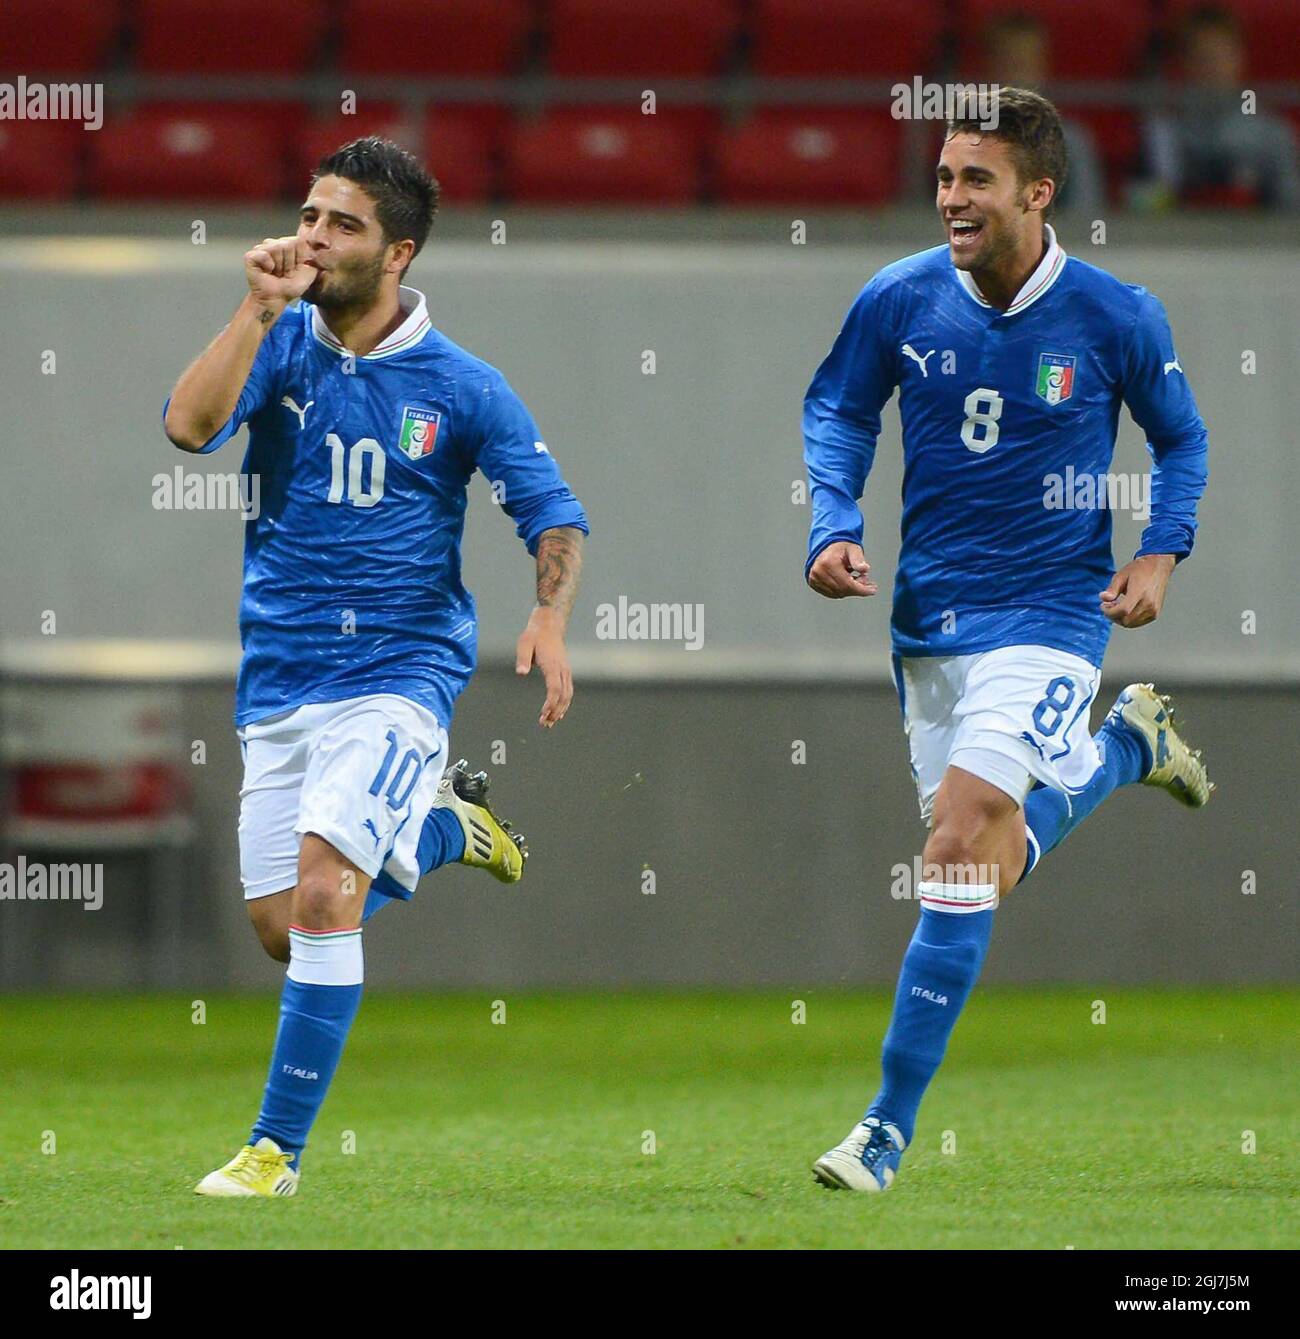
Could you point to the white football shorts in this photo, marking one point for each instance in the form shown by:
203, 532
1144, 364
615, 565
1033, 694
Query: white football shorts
362, 773
1012, 716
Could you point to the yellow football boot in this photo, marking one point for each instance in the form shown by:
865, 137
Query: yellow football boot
490, 842
257, 1169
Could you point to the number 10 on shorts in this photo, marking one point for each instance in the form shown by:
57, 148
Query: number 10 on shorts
403, 781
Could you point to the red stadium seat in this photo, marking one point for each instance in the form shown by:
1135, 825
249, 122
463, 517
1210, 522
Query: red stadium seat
461, 152
1270, 29
235, 36
1118, 137
204, 153
597, 156
1220, 197
492, 118
1103, 39
322, 134
843, 38
434, 37
56, 36
816, 156
457, 145
698, 125
40, 160
663, 38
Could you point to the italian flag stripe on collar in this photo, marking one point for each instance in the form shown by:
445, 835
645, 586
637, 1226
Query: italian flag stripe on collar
407, 335
1044, 276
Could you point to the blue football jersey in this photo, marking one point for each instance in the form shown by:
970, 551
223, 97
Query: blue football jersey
352, 571
995, 406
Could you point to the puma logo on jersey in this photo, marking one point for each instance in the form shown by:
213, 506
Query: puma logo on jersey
288, 403
917, 359
1169, 367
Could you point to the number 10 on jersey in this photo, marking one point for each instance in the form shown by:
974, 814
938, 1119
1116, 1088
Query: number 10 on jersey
351, 466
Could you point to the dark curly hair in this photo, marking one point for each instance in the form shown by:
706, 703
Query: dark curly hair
1031, 126
405, 194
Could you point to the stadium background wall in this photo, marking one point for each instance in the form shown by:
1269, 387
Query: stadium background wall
677, 761
765, 872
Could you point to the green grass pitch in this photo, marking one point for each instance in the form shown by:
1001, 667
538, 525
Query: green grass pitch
1060, 1132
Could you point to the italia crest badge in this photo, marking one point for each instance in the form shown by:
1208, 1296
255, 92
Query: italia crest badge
419, 432
1055, 377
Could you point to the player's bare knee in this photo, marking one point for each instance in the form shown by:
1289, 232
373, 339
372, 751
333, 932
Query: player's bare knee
962, 838
951, 849
323, 900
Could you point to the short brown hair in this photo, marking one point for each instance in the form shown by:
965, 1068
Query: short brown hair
405, 194
1031, 126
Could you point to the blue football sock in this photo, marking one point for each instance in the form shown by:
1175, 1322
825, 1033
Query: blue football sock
939, 968
442, 842
1051, 816
321, 994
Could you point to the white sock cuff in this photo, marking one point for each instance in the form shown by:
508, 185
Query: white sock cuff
958, 898
325, 957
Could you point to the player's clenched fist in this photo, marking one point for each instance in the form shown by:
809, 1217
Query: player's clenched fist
1136, 593
279, 271
841, 569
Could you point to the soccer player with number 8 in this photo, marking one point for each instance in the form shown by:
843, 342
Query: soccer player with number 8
1012, 362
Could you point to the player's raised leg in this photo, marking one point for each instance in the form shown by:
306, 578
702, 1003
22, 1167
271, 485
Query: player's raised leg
460, 827
354, 773
980, 838
490, 842
322, 991
977, 835
1137, 742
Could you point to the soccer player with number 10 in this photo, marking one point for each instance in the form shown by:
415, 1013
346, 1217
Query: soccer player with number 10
365, 427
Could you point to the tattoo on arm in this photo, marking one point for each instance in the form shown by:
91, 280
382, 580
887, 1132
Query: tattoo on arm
559, 562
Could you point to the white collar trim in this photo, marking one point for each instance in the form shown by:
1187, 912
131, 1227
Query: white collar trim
1048, 272
407, 335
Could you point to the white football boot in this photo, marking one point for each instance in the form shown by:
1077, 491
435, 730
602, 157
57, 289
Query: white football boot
1174, 766
867, 1160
